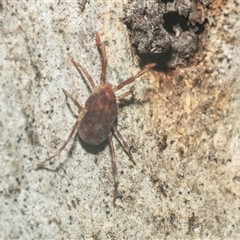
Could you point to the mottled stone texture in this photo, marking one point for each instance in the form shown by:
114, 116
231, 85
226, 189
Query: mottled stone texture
182, 125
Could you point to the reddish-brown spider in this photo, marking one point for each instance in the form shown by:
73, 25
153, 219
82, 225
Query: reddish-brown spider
96, 120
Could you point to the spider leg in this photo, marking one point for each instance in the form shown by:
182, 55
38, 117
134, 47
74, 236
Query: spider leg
75, 126
129, 92
78, 65
114, 166
102, 49
124, 144
73, 100
131, 79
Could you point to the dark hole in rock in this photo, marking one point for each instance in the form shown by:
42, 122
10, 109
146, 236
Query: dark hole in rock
161, 59
166, 32
174, 23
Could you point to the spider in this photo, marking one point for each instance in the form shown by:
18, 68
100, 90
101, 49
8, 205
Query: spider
96, 120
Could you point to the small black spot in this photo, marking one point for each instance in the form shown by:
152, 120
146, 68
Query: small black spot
166, 1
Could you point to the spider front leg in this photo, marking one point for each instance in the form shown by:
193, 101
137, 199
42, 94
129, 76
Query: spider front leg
131, 79
80, 108
129, 92
77, 66
102, 49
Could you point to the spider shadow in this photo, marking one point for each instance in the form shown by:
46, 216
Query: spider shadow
126, 102
93, 149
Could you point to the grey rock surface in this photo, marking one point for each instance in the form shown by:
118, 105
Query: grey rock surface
183, 129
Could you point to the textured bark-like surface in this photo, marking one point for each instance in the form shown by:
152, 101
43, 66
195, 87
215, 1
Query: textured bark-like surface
183, 128
168, 32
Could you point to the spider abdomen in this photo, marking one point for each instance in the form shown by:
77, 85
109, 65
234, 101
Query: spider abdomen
101, 113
